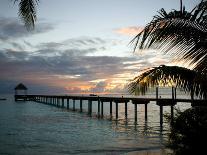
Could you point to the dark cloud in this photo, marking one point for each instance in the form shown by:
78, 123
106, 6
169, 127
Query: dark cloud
27, 66
11, 28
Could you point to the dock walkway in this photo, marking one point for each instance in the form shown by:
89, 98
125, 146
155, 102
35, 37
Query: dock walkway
59, 100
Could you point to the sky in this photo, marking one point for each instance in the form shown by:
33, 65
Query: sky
78, 46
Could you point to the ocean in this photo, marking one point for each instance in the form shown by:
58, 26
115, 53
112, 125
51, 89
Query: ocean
36, 129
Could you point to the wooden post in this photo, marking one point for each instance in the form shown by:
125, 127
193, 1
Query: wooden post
88, 107
98, 107
102, 109
125, 109
91, 108
81, 105
110, 108
62, 102
117, 109
135, 112
161, 116
145, 111
68, 103
58, 102
73, 104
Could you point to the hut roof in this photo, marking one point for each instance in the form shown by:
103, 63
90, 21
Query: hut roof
20, 87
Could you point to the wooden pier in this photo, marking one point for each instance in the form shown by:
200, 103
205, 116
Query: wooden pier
59, 101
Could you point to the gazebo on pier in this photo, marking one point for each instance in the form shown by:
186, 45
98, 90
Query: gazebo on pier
20, 92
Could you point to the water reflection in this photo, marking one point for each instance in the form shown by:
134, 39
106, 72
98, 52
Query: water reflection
34, 128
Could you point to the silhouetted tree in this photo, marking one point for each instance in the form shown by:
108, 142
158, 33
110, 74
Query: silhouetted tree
183, 34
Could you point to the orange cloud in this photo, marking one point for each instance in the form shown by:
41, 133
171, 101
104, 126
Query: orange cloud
129, 31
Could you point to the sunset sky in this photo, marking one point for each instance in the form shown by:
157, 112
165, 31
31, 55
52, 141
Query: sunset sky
78, 46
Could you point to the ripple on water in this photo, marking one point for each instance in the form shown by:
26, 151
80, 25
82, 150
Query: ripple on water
33, 128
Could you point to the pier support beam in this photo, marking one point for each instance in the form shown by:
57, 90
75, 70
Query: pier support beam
125, 109
117, 110
111, 108
73, 105
68, 103
90, 107
135, 112
145, 111
98, 108
81, 105
62, 102
102, 109
161, 116
58, 104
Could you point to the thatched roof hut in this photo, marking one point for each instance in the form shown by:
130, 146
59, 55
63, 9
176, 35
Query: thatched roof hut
20, 87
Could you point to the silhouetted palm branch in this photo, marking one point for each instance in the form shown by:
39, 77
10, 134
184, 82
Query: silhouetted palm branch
181, 33
186, 79
27, 12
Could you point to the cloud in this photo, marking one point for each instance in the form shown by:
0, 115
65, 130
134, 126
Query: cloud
68, 66
71, 70
99, 87
129, 31
11, 28
68, 69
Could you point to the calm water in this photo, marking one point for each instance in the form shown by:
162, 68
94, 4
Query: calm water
35, 128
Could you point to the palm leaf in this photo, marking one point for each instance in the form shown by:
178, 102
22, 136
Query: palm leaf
186, 79
181, 33
27, 12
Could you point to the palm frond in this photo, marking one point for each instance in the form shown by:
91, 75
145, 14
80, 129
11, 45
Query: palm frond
27, 12
179, 32
188, 80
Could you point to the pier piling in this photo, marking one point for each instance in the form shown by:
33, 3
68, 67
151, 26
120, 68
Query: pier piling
73, 104
62, 102
135, 112
161, 115
110, 108
98, 108
81, 105
68, 103
117, 108
145, 111
125, 109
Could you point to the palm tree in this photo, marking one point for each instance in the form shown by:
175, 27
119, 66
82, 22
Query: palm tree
182, 34
27, 12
